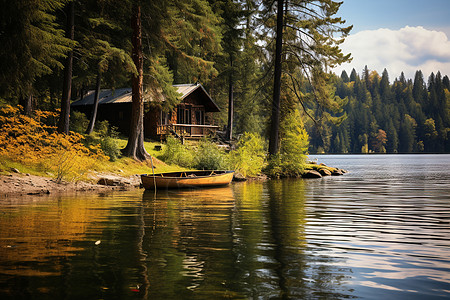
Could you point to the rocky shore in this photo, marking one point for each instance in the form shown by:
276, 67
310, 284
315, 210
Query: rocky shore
19, 184
321, 170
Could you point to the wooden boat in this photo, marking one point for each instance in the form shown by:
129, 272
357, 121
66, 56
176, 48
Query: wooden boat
186, 179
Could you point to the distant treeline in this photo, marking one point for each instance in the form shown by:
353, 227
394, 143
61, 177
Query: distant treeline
407, 116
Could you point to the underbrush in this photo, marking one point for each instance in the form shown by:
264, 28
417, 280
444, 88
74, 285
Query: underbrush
247, 159
33, 141
31, 145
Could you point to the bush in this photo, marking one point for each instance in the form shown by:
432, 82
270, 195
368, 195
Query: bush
209, 157
105, 135
110, 148
176, 153
78, 122
249, 156
29, 141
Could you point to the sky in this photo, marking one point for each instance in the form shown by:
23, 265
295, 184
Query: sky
399, 35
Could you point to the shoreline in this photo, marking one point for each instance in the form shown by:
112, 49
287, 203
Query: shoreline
18, 184
22, 185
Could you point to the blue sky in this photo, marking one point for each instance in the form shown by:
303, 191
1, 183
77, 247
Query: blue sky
399, 35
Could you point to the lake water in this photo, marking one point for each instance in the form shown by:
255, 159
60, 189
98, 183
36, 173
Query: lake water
381, 231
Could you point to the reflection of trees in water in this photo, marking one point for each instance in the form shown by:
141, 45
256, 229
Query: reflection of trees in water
275, 259
188, 242
248, 240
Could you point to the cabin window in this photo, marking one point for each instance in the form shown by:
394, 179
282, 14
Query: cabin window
121, 115
199, 117
184, 114
180, 114
187, 116
166, 118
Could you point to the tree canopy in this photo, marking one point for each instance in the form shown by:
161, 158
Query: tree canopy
263, 62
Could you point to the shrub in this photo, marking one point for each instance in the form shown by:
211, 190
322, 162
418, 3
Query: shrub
249, 156
105, 135
293, 148
209, 157
110, 147
78, 122
177, 153
28, 140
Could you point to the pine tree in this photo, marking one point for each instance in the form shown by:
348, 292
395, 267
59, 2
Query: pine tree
32, 46
135, 146
353, 75
99, 59
344, 77
181, 34
312, 38
232, 15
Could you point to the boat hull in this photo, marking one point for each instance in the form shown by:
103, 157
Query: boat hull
188, 179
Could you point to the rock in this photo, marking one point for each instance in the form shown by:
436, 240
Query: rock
337, 172
311, 174
110, 181
325, 172
15, 170
239, 177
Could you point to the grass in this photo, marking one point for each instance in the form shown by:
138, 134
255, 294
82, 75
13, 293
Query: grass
127, 166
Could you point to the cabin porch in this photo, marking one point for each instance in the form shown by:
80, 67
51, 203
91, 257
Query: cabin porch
188, 131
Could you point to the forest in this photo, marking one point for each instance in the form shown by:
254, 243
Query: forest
406, 116
267, 64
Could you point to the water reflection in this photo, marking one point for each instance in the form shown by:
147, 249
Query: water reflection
350, 236
36, 239
242, 241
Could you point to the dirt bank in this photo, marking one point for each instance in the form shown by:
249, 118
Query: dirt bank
16, 184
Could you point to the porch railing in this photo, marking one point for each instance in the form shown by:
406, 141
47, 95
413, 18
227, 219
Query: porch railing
187, 130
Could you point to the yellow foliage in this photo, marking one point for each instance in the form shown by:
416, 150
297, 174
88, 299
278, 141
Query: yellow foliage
30, 141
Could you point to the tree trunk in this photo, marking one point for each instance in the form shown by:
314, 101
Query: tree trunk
63, 125
135, 146
230, 103
95, 105
274, 143
27, 104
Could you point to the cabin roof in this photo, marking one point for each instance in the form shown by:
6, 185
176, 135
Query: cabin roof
123, 95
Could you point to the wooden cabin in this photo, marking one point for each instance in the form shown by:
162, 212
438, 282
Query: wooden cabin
190, 119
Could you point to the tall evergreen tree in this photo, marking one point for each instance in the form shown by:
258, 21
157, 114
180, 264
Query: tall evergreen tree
314, 37
232, 15
181, 34
135, 146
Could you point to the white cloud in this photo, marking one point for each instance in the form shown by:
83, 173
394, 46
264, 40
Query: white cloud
408, 49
